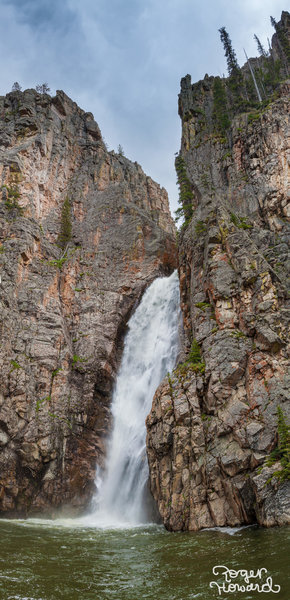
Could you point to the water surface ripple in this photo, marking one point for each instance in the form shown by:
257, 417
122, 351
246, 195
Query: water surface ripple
50, 561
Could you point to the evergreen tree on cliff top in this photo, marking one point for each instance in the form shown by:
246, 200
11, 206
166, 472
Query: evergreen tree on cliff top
16, 87
230, 54
260, 46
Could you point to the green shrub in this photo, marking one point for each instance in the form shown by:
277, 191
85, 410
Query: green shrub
194, 354
234, 219
15, 365
12, 197
55, 372
253, 117
63, 419
13, 191
203, 305
194, 363
237, 334
42, 401
58, 262
240, 222
282, 450
77, 359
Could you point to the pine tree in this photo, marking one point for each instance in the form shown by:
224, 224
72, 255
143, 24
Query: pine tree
282, 450
261, 49
283, 432
16, 87
42, 88
185, 190
233, 67
283, 445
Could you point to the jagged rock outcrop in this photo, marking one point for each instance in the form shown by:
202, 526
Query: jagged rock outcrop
214, 419
83, 231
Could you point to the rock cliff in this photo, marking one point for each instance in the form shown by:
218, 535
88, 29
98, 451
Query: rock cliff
218, 417
83, 231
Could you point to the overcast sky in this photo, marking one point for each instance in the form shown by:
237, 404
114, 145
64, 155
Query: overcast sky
123, 60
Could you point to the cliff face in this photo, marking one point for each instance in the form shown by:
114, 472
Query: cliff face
83, 232
214, 419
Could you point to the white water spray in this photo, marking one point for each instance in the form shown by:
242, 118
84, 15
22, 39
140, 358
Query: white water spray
150, 351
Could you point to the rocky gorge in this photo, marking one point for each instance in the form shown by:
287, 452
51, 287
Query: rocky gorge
218, 417
83, 232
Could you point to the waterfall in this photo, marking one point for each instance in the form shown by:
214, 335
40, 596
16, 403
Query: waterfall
150, 351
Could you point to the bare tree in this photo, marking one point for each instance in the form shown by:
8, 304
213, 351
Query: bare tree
16, 87
254, 78
42, 88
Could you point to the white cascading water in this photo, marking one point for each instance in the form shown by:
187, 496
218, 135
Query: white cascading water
150, 351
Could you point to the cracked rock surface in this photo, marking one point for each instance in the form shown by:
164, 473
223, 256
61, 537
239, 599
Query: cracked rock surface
212, 427
83, 231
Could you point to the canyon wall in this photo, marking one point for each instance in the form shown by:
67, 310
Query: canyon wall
214, 420
83, 232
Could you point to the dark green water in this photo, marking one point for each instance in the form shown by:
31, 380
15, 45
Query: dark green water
44, 562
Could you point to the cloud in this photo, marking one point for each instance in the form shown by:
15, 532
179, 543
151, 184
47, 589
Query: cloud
123, 60
44, 15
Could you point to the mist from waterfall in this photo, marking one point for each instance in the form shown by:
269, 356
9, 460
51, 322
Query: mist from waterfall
150, 351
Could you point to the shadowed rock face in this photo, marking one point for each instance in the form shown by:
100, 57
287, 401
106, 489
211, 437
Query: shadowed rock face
83, 232
209, 433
